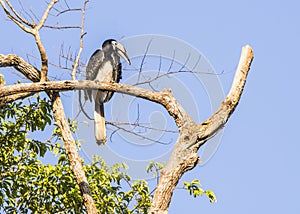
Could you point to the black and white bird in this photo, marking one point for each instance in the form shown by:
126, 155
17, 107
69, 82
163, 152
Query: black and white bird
104, 65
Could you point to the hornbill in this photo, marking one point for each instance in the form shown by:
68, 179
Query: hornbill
104, 65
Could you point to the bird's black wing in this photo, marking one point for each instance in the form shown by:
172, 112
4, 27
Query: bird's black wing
119, 74
93, 66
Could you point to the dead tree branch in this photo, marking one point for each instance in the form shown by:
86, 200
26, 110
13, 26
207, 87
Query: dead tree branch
28, 70
184, 155
32, 29
82, 33
11, 98
36, 34
17, 20
164, 98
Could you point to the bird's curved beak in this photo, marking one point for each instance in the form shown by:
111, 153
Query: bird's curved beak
122, 52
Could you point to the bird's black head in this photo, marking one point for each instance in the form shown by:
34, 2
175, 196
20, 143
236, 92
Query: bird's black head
108, 43
114, 45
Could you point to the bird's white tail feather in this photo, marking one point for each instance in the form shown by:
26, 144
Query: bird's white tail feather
99, 124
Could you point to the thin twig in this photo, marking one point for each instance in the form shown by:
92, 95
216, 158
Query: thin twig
43, 55
141, 126
143, 60
14, 19
82, 33
45, 16
22, 20
58, 27
81, 108
68, 10
134, 133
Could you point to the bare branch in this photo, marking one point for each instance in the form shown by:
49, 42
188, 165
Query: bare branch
212, 125
164, 98
184, 155
32, 16
172, 62
45, 16
123, 125
143, 60
18, 16
43, 55
185, 63
68, 10
28, 70
133, 133
58, 27
34, 31
140, 125
81, 108
169, 73
82, 33
14, 19
14, 97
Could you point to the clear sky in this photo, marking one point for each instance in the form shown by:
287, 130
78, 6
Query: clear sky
256, 168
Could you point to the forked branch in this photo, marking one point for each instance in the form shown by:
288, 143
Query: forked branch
184, 156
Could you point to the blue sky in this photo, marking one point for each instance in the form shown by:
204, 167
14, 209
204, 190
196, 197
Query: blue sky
256, 168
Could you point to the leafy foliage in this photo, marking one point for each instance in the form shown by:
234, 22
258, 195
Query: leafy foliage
154, 167
194, 188
27, 185
107, 184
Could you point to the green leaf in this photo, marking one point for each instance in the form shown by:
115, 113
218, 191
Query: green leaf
211, 195
194, 188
